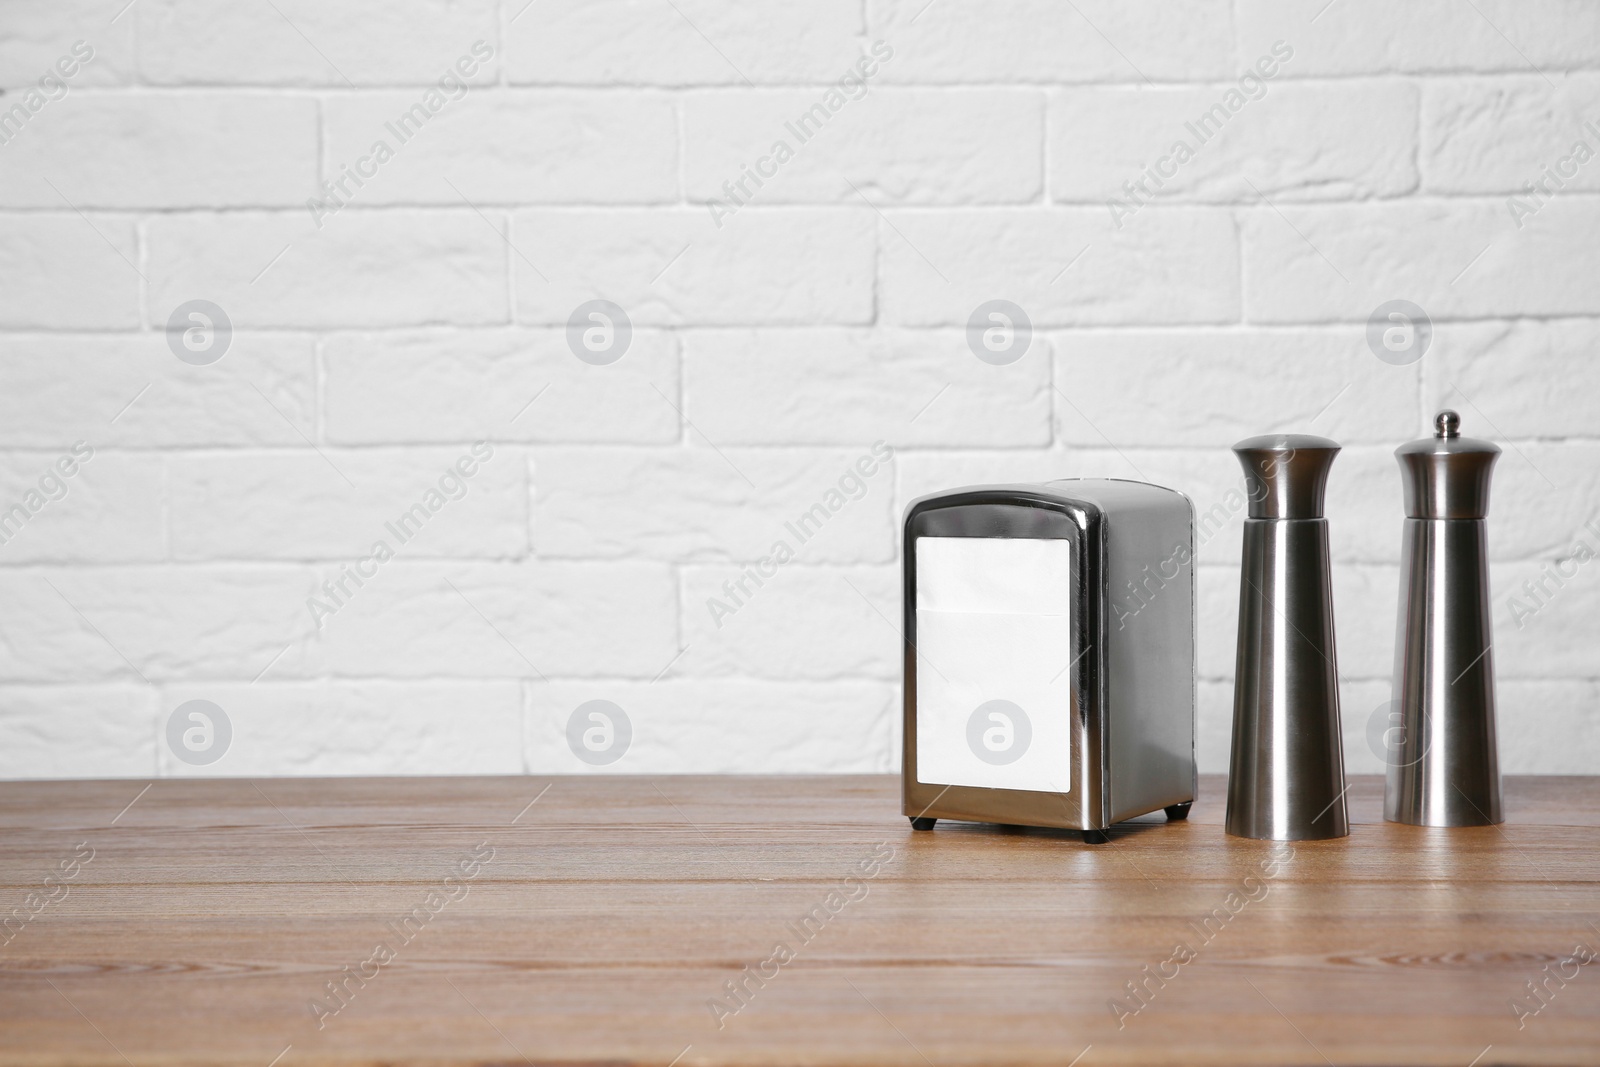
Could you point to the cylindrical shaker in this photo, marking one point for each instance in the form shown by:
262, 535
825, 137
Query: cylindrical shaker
1443, 768
1286, 776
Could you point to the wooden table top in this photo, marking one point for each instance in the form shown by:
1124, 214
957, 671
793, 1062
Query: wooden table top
456, 920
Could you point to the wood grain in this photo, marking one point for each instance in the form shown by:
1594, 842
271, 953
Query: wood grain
614, 910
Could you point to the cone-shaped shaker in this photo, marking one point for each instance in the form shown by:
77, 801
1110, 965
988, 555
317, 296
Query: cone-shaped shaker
1286, 777
1444, 769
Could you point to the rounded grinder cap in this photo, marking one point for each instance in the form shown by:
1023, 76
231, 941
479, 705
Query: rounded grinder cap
1446, 476
1286, 473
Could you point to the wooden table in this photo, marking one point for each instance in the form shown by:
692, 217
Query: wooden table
604, 923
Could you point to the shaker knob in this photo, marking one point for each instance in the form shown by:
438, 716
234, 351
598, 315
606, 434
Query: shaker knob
1446, 476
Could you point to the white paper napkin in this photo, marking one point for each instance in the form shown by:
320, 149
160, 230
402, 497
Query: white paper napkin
994, 643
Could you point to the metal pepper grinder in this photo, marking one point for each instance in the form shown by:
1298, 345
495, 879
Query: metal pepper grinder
1286, 777
1444, 769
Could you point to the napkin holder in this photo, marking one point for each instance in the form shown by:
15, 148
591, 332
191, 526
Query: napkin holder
1049, 655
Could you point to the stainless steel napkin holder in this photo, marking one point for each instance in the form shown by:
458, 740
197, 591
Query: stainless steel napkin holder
1049, 655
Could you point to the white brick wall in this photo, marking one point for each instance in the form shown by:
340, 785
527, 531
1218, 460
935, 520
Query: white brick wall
586, 150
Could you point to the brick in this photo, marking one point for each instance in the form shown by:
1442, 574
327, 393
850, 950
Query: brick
1335, 141
1545, 496
1538, 608
1215, 387
502, 620
129, 390
1532, 378
77, 731
1038, 41
169, 622
1365, 506
1213, 735
1179, 266
694, 505
771, 346
503, 385
1496, 135
363, 268
1366, 603
901, 146
1217, 619
509, 147
109, 510
675, 267
34, 38
68, 271
1547, 726
302, 504
356, 728
686, 42
1452, 258
725, 726
1427, 36
301, 42
110, 151
803, 622
920, 472
841, 387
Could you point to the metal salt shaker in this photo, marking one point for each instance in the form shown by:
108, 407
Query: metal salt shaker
1286, 776
1443, 766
